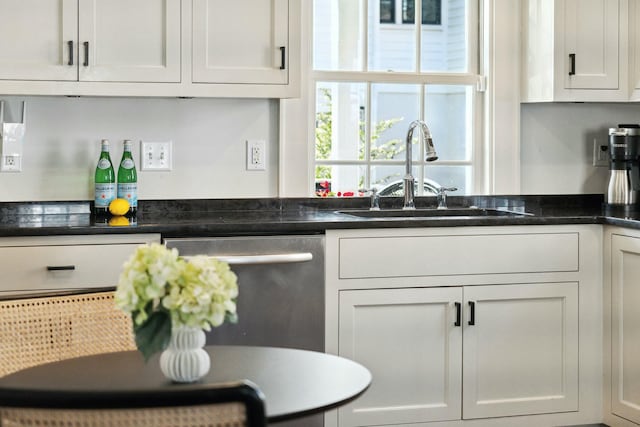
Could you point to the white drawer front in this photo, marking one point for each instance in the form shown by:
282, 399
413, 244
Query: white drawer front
408, 256
65, 262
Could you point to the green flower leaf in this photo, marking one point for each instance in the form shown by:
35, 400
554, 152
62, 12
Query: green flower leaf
231, 317
154, 334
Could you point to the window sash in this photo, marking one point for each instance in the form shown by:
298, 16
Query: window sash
472, 77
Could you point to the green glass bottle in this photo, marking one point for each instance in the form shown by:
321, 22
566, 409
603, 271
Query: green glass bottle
105, 181
128, 178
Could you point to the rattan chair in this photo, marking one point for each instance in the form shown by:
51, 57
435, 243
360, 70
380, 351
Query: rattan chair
37, 330
238, 404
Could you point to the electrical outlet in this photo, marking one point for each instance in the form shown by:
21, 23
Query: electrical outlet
155, 156
256, 155
600, 154
10, 163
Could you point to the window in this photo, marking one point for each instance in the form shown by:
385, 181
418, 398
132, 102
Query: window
387, 11
431, 11
372, 80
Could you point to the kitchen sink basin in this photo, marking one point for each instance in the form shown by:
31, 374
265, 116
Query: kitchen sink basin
430, 213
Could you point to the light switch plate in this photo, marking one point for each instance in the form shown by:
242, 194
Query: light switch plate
155, 156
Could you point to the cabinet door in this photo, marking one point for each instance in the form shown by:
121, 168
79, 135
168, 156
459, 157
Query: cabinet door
520, 349
634, 38
124, 41
591, 36
625, 334
244, 41
38, 40
407, 338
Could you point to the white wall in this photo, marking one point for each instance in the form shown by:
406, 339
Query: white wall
557, 145
62, 145
63, 135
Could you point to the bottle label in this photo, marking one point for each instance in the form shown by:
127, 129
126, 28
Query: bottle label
129, 191
127, 164
105, 193
104, 164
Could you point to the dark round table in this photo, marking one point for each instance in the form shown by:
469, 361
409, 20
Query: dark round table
295, 382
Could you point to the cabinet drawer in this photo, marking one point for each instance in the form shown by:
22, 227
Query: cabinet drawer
51, 266
407, 256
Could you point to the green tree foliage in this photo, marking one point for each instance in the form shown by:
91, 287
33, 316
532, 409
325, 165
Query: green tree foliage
324, 130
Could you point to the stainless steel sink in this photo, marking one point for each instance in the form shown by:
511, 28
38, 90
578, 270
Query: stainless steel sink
430, 213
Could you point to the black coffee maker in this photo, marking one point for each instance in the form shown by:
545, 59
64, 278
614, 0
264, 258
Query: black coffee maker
624, 166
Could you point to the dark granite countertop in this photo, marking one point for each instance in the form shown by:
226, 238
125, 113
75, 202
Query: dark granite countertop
223, 217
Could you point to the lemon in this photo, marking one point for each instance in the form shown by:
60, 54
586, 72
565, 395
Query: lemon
118, 220
119, 207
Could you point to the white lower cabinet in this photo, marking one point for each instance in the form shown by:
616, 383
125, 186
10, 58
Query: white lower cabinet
622, 284
52, 263
520, 351
407, 339
491, 336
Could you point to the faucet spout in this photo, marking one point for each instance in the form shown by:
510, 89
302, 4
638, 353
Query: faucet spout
430, 156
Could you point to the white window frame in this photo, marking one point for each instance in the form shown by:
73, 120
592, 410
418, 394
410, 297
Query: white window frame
499, 124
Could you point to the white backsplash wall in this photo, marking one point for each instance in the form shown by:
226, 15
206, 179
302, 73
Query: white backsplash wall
62, 145
556, 146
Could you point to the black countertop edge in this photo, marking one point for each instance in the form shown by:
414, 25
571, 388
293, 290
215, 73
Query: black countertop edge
225, 217
177, 206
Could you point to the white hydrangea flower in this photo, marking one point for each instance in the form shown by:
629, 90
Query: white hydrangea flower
199, 293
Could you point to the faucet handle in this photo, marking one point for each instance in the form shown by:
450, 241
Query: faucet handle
445, 189
442, 196
375, 199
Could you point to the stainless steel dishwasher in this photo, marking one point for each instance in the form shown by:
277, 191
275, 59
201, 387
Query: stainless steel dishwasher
281, 292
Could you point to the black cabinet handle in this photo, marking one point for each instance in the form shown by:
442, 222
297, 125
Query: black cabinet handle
60, 267
70, 45
458, 314
572, 66
86, 54
283, 57
472, 313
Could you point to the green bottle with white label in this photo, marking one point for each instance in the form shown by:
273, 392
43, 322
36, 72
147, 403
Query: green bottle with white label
105, 181
128, 178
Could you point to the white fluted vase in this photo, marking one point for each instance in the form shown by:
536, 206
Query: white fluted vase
185, 360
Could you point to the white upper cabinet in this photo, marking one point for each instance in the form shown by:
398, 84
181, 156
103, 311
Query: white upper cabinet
575, 50
167, 48
124, 41
240, 42
37, 40
634, 51
90, 40
591, 44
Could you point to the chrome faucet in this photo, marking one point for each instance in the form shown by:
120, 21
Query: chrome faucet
430, 155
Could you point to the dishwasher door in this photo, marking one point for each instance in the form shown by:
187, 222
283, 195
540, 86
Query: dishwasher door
281, 288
